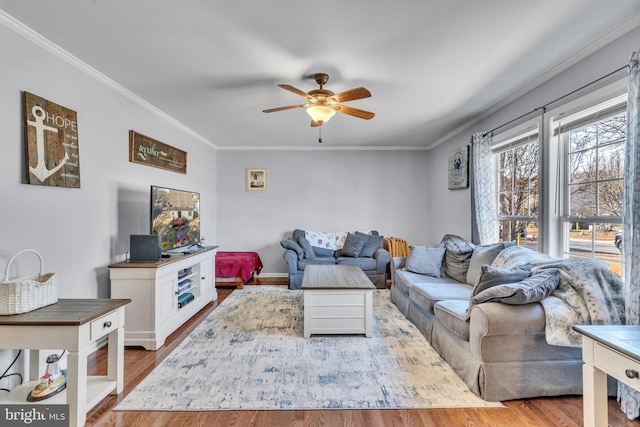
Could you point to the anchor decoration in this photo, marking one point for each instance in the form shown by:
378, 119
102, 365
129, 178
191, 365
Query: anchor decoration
51, 138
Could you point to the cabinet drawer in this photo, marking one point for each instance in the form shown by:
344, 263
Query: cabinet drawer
616, 364
103, 325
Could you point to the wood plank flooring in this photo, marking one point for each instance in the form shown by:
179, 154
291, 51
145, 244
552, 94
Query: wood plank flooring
562, 411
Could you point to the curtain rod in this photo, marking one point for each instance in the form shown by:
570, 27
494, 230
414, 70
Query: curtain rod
544, 107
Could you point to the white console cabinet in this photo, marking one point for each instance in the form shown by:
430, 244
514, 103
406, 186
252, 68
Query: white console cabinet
163, 295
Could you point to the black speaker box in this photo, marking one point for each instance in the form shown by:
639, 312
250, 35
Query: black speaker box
145, 248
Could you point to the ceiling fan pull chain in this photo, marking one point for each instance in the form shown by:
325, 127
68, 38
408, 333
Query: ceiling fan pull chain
320, 135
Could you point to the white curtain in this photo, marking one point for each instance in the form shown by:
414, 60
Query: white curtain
483, 191
630, 399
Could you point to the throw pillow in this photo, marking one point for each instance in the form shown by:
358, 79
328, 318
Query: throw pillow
306, 247
425, 260
483, 254
372, 244
294, 246
353, 244
493, 276
457, 257
532, 289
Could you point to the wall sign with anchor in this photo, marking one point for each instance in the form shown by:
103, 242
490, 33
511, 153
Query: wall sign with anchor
51, 141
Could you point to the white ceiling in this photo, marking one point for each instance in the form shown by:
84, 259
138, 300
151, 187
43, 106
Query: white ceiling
432, 66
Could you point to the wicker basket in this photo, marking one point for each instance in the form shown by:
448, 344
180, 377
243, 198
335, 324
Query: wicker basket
27, 293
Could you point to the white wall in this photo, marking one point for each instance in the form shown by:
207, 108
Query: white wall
322, 190
454, 207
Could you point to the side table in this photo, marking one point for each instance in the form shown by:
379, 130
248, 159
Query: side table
607, 350
73, 325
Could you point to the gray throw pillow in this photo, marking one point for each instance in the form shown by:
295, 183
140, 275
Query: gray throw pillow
483, 254
457, 257
294, 246
532, 289
494, 276
353, 244
306, 247
425, 260
372, 244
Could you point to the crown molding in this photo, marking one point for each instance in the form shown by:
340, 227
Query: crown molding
44, 43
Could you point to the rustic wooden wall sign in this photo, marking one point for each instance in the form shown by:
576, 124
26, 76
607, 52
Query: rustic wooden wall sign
51, 143
150, 152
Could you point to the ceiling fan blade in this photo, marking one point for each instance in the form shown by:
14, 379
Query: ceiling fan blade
356, 112
288, 107
314, 124
352, 94
294, 90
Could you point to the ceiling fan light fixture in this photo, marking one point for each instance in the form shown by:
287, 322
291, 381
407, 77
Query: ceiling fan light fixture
320, 113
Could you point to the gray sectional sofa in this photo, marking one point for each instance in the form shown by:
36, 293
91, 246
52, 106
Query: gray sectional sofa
361, 249
490, 324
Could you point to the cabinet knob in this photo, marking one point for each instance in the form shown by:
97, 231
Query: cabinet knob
107, 324
202, 278
631, 373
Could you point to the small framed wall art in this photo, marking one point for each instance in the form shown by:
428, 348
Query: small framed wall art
459, 168
256, 179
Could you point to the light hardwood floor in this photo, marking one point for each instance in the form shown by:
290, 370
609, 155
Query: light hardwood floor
562, 411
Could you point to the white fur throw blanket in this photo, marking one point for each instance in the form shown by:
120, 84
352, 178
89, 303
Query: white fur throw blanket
588, 293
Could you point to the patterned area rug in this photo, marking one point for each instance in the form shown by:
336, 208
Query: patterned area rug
250, 353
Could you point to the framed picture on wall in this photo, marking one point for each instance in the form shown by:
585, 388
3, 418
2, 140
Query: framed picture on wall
459, 168
256, 179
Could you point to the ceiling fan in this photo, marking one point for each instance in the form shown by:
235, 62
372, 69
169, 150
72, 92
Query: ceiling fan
322, 104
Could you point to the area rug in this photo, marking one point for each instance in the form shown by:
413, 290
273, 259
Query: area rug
250, 353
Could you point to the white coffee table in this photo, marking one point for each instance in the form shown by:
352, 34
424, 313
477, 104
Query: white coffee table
338, 299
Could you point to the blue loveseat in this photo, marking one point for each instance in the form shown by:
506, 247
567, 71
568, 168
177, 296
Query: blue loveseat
372, 258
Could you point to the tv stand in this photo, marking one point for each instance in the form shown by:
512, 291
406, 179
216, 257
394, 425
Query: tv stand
163, 295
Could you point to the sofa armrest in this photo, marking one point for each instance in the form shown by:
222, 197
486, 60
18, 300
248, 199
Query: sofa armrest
382, 257
396, 263
490, 320
291, 257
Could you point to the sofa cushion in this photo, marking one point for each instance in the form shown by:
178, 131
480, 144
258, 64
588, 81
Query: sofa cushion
532, 289
373, 243
306, 247
425, 260
427, 294
493, 276
452, 314
457, 256
294, 246
365, 264
483, 254
353, 245
317, 260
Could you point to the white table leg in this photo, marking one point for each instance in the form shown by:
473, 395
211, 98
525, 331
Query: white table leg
307, 314
368, 313
77, 387
115, 361
594, 396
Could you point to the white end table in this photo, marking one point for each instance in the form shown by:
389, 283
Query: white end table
607, 350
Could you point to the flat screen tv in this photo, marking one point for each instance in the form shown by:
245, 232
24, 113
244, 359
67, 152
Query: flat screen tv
175, 216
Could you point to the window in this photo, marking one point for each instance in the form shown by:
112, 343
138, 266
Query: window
594, 182
519, 189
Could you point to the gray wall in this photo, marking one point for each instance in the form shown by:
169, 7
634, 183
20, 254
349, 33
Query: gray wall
322, 190
453, 207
